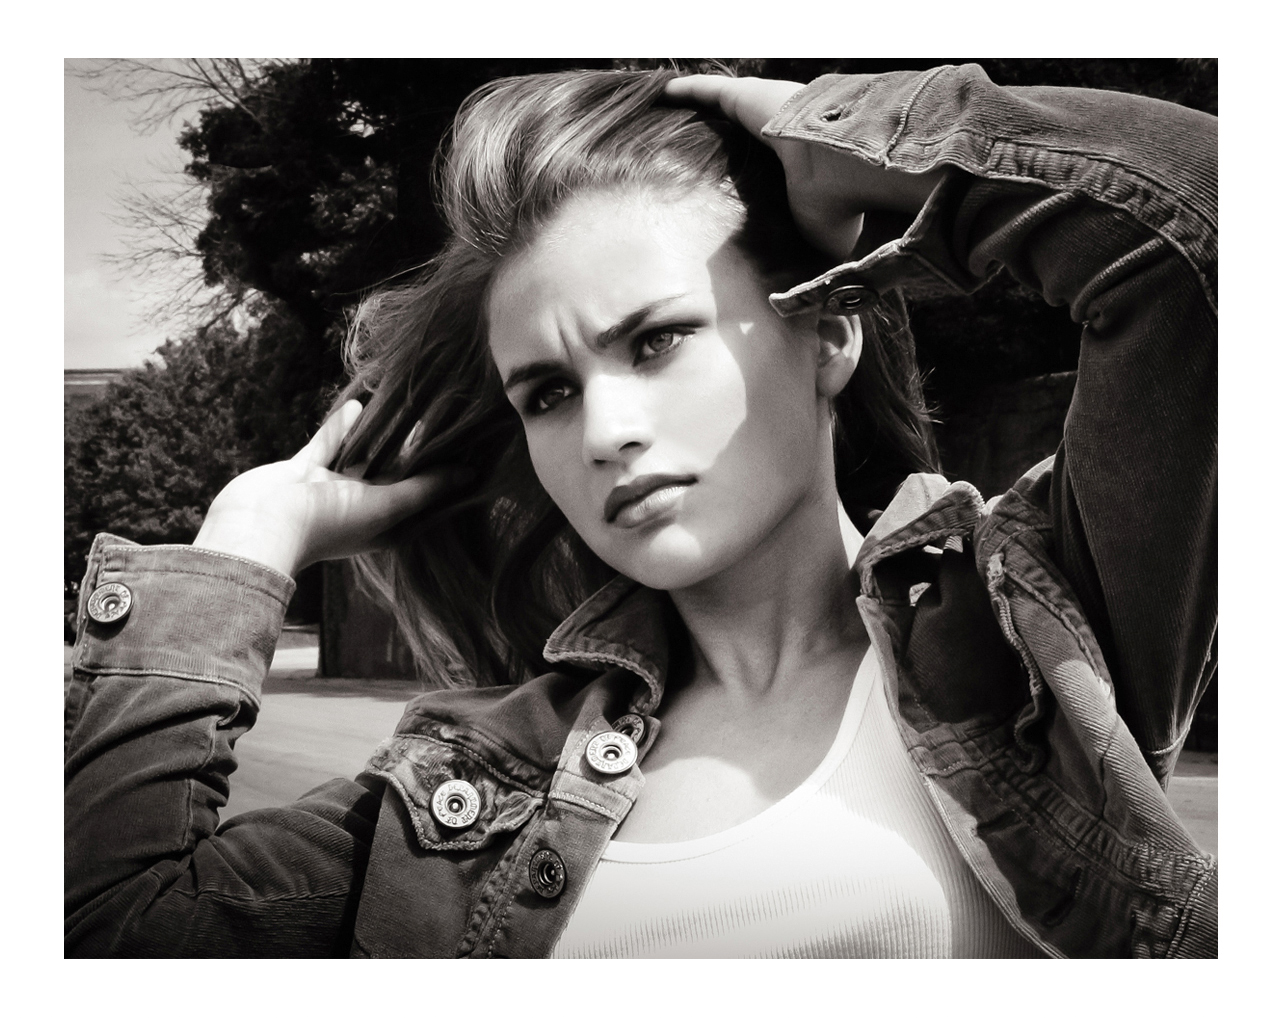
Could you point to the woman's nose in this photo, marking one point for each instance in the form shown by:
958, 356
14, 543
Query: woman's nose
616, 423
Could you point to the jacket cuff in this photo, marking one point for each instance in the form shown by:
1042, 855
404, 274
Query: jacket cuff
863, 114
917, 263
1154, 161
193, 614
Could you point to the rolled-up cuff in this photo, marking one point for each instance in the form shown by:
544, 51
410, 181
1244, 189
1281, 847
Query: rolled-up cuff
193, 613
1198, 938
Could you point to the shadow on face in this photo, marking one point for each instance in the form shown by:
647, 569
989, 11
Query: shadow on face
670, 413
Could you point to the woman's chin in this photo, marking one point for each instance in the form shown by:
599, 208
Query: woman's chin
669, 558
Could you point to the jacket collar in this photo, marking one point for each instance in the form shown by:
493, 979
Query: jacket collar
626, 625
623, 625
927, 509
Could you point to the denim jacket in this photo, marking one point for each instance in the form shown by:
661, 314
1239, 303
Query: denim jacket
1044, 651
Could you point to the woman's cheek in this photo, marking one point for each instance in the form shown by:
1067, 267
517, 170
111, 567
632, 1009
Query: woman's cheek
557, 459
702, 405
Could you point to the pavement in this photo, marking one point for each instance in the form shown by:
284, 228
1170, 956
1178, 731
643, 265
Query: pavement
313, 729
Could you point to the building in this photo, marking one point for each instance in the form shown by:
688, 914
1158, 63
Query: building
87, 385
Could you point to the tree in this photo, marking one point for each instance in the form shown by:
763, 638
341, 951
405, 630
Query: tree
162, 218
146, 460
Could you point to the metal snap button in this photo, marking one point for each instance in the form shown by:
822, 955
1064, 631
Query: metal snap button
631, 725
611, 753
847, 300
547, 873
110, 602
456, 804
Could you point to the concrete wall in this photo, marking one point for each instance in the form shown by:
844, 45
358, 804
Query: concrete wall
81, 386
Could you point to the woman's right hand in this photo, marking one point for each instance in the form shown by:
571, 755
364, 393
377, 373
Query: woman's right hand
290, 514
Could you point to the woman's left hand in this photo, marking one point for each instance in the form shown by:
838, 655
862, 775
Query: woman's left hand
829, 190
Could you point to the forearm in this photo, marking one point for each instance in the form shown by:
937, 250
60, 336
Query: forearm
1106, 204
1155, 161
156, 704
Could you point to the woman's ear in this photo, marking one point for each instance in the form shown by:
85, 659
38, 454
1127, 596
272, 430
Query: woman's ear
840, 346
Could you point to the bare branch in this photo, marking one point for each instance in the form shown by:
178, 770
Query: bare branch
161, 223
162, 219
161, 90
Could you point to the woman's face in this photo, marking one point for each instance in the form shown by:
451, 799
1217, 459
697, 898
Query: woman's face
670, 413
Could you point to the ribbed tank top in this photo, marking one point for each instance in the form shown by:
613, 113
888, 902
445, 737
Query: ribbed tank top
854, 863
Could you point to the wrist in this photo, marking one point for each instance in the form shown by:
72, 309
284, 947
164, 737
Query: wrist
868, 187
231, 534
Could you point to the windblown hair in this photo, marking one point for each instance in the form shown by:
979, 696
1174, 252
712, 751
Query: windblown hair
477, 587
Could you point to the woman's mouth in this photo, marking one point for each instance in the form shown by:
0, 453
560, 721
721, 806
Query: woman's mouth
645, 499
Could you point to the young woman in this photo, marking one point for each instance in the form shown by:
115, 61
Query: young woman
725, 669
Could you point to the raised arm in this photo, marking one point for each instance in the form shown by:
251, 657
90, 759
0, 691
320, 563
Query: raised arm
1106, 204
159, 696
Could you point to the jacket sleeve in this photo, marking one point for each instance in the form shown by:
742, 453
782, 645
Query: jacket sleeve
1106, 204
157, 701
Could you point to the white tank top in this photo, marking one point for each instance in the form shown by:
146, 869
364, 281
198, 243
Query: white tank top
853, 863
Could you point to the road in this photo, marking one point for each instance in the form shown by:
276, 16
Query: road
312, 729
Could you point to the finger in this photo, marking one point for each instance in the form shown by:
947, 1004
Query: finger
409, 443
380, 506
698, 89
750, 102
362, 511
324, 445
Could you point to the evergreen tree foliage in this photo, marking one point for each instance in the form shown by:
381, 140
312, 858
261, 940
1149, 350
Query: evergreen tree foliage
145, 461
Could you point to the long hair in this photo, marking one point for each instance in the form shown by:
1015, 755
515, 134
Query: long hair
478, 586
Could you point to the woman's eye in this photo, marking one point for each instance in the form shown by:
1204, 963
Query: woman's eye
549, 397
658, 343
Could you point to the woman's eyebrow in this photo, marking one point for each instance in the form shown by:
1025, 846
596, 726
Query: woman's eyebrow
631, 321
622, 328
535, 369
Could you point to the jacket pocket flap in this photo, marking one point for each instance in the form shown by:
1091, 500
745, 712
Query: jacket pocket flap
416, 765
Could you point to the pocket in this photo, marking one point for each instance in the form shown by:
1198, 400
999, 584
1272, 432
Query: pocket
417, 765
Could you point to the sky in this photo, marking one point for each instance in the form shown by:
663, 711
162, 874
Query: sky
104, 324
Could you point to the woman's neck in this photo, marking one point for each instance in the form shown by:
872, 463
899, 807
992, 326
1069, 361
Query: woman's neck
784, 611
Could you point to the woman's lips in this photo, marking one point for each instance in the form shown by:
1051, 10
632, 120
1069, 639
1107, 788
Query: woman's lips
635, 503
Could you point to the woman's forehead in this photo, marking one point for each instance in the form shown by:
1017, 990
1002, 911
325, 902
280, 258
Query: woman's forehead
600, 259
